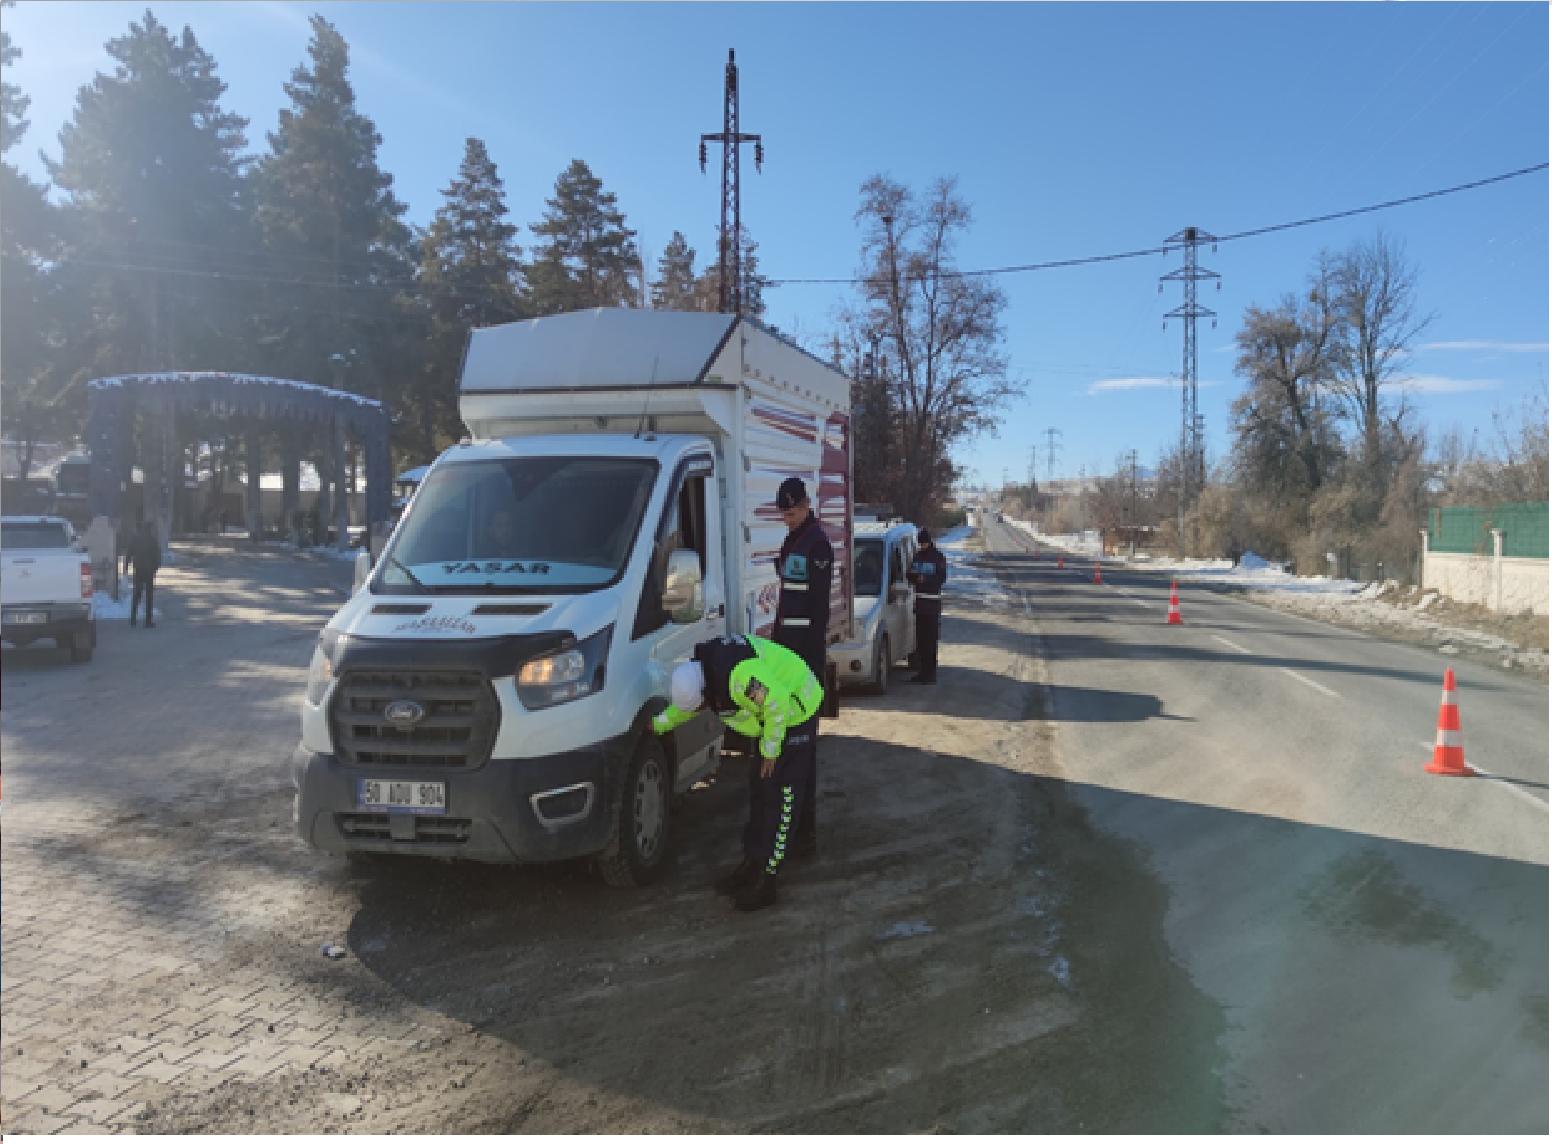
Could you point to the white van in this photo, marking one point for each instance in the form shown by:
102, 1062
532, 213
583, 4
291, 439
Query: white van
885, 606
487, 691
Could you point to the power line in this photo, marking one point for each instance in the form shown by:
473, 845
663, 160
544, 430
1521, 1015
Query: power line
1094, 259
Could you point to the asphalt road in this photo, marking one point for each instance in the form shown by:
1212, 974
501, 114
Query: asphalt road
1376, 936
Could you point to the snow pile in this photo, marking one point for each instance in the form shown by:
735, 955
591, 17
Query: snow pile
967, 579
105, 607
1086, 543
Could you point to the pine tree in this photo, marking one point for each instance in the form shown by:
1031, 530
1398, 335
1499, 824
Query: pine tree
30, 393
151, 168
708, 285
675, 285
590, 256
470, 276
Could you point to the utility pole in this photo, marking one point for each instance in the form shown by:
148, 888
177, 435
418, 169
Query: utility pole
1187, 241
1132, 456
730, 279
1051, 448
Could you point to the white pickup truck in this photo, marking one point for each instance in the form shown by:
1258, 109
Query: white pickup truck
45, 586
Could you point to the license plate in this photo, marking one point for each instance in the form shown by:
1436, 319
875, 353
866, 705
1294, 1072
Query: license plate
26, 617
401, 797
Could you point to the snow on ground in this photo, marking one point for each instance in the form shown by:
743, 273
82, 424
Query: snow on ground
105, 607
1349, 603
967, 580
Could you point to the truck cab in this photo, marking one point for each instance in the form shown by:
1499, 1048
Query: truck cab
487, 691
46, 586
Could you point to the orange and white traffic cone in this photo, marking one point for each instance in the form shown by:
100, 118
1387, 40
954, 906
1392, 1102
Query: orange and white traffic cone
1097, 578
1449, 745
1174, 603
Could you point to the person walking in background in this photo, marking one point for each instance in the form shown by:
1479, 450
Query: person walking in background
928, 572
144, 556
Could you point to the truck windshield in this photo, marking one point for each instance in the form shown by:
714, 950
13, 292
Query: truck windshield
25, 534
868, 568
525, 524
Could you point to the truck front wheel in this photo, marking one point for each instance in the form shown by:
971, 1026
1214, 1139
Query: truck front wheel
639, 841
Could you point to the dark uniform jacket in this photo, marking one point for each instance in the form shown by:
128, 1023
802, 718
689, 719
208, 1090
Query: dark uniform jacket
146, 556
928, 572
805, 566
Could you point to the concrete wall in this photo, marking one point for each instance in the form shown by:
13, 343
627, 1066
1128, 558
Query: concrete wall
1510, 584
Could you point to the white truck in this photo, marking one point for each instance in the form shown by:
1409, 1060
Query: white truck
45, 586
487, 691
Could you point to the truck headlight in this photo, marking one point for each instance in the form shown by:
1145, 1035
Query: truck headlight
571, 673
320, 672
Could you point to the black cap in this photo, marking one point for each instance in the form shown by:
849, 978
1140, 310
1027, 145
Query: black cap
924, 537
791, 494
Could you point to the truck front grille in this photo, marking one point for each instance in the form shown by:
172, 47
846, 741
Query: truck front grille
458, 728
375, 828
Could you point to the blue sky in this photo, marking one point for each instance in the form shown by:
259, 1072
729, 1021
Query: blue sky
1072, 129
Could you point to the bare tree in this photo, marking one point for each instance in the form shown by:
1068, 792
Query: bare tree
940, 330
1288, 355
1375, 289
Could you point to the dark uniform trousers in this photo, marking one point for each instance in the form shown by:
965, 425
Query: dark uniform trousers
929, 617
774, 802
805, 566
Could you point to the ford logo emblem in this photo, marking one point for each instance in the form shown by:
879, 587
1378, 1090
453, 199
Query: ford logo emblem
404, 712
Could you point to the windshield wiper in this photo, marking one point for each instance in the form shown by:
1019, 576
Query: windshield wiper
413, 579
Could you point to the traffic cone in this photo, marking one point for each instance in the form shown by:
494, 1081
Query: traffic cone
1060, 562
1449, 745
1174, 603
1097, 579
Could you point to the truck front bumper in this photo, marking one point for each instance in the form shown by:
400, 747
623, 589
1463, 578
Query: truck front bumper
508, 810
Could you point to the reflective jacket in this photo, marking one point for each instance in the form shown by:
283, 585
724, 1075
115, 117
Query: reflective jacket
760, 689
805, 566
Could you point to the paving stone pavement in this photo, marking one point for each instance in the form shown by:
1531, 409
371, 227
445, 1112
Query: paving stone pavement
161, 924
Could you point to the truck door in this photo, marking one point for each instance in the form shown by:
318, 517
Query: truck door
900, 604
691, 520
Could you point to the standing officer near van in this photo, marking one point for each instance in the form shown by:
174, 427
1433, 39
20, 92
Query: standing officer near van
928, 572
764, 691
805, 566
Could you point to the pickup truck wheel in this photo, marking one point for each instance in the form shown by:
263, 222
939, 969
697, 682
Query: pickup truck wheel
81, 647
639, 842
881, 662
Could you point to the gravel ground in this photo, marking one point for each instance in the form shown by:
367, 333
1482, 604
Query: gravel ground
932, 969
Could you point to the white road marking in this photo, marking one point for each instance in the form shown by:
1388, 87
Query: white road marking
1308, 682
1235, 646
1512, 787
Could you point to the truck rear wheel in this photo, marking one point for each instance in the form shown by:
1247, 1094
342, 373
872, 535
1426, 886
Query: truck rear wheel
81, 646
639, 842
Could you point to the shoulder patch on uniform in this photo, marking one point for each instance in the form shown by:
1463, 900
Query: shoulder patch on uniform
756, 692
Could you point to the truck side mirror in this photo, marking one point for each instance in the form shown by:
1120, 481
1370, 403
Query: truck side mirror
684, 597
363, 570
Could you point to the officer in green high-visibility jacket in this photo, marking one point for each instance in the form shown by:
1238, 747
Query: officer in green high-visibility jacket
762, 690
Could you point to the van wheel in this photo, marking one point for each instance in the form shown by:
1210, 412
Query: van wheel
639, 841
881, 662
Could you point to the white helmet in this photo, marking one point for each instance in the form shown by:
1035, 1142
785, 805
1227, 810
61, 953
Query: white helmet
687, 688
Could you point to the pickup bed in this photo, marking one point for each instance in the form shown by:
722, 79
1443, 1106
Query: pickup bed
45, 586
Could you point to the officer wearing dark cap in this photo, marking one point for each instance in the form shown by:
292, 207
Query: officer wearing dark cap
805, 566
928, 571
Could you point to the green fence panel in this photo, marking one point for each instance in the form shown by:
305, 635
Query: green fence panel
1469, 530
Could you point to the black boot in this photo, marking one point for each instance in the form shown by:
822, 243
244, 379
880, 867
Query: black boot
736, 880
759, 893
